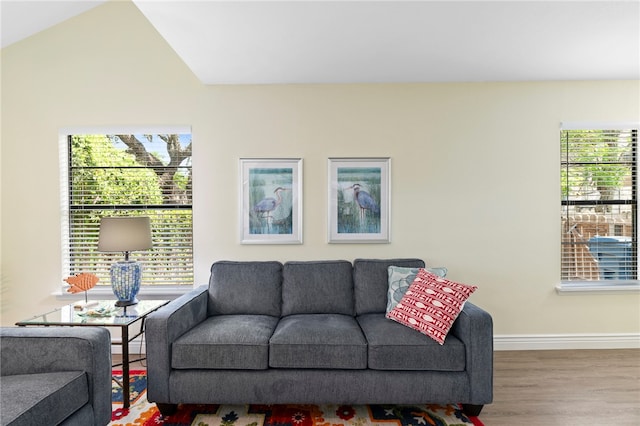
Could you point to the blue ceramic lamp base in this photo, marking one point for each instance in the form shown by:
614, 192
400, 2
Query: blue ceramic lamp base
125, 281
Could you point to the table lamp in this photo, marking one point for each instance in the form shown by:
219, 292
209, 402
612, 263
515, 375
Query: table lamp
125, 234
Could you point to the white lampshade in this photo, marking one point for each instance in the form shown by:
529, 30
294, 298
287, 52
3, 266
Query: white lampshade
125, 234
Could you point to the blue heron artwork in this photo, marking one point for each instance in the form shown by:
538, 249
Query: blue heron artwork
359, 200
270, 200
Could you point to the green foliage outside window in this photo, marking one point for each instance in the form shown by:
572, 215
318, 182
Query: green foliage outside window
596, 164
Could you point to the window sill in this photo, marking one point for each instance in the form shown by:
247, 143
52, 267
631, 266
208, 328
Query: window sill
613, 286
146, 293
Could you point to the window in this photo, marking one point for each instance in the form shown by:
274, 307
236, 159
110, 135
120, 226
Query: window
599, 204
130, 175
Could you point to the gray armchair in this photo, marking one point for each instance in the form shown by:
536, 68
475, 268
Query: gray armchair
55, 376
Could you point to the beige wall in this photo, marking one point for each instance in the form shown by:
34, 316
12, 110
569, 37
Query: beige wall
475, 179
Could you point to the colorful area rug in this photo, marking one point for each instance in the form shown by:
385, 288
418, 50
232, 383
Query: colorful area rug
143, 413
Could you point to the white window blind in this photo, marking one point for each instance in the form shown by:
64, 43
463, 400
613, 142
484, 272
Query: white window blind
599, 203
131, 175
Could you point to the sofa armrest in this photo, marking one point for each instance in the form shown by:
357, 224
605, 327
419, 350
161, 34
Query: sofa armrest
28, 350
474, 326
162, 328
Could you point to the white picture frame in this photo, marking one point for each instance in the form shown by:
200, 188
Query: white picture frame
359, 200
271, 200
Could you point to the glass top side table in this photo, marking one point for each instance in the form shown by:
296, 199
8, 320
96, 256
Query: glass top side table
104, 313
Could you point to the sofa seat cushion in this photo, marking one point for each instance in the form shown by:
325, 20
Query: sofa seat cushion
226, 342
318, 341
393, 346
42, 398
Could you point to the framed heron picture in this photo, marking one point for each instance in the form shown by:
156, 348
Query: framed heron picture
359, 200
271, 200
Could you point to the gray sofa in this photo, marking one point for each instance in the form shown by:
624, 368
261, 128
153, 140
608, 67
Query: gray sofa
55, 376
310, 332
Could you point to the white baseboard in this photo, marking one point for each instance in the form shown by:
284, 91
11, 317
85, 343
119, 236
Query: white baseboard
136, 347
528, 342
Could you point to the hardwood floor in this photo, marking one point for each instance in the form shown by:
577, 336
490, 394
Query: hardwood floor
563, 388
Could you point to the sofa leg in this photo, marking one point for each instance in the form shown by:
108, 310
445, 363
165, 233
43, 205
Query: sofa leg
472, 409
167, 409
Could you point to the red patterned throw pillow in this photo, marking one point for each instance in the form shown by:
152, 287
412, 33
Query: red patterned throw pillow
431, 305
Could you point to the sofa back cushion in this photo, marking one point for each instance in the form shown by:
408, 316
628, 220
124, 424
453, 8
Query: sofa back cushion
317, 287
371, 282
245, 288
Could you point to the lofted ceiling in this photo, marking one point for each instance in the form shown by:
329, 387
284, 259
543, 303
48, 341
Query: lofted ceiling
266, 42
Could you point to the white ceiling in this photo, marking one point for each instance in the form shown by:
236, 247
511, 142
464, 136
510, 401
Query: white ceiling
255, 42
